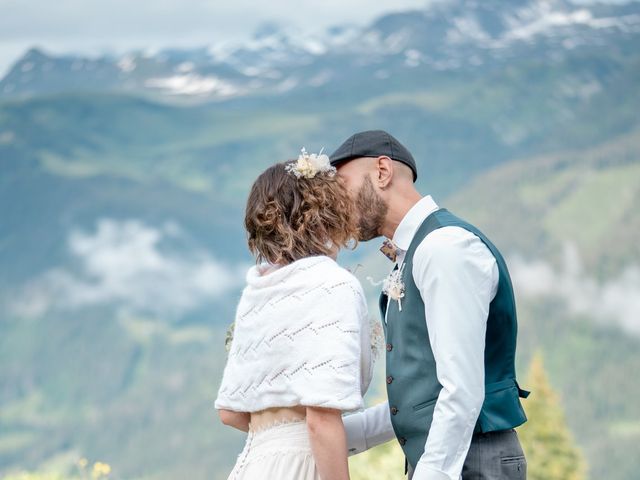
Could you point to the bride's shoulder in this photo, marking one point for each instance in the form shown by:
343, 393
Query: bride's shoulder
340, 281
334, 272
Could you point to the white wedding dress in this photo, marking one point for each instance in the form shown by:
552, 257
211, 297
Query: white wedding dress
302, 337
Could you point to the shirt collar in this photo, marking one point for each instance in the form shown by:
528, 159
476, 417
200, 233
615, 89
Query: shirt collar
412, 220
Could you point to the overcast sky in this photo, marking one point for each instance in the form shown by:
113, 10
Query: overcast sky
116, 25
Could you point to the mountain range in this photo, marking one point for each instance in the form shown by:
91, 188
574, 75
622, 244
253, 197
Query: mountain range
450, 35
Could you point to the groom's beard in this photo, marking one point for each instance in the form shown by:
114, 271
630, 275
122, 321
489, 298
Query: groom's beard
371, 211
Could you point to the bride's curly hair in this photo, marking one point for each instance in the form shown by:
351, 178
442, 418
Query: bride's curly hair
289, 218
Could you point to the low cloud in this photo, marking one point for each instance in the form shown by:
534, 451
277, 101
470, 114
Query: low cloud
134, 267
615, 300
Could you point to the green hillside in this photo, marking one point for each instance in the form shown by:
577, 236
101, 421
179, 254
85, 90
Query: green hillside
457, 124
131, 392
514, 149
587, 198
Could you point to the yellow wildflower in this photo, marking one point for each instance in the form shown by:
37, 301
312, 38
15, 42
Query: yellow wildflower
100, 470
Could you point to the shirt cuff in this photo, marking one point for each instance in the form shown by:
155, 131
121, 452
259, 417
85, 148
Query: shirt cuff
423, 472
354, 429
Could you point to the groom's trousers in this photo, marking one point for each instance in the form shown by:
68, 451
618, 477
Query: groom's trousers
493, 456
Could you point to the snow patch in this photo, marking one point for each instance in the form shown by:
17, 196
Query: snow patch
321, 78
127, 63
186, 67
466, 29
412, 58
192, 84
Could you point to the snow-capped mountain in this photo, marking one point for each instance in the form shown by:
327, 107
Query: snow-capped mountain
447, 35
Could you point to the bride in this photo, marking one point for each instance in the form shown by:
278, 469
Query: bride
301, 350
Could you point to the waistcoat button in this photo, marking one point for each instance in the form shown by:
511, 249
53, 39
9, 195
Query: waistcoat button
389, 379
389, 347
402, 440
394, 410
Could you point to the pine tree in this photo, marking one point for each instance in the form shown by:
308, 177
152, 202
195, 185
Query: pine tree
548, 444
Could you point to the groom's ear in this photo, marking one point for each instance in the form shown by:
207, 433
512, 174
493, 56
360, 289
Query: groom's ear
385, 171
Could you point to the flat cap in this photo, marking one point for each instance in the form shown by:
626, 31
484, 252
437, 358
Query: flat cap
373, 143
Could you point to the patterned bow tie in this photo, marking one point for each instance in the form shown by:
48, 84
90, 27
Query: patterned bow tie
389, 249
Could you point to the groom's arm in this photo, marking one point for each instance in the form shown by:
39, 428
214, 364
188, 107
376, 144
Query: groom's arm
458, 275
368, 428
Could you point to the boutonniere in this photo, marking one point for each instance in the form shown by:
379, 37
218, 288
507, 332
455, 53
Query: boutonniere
393, 286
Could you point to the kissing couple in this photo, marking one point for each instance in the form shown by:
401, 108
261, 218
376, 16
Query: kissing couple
301, 359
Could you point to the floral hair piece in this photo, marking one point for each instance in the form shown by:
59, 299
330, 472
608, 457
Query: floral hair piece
308, 165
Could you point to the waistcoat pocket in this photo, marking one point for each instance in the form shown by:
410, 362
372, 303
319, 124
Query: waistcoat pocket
423, 405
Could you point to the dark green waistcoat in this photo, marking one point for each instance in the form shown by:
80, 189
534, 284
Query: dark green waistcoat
412, 384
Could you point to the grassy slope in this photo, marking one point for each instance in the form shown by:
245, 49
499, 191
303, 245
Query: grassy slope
586, 197
135, 393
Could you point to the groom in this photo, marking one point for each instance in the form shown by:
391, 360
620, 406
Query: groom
453, 399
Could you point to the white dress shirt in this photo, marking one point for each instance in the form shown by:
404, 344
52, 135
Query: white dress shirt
457, 273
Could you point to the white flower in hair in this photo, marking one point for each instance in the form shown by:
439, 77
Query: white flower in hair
308, 165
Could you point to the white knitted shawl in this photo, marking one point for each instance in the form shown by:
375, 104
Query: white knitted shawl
301, 337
